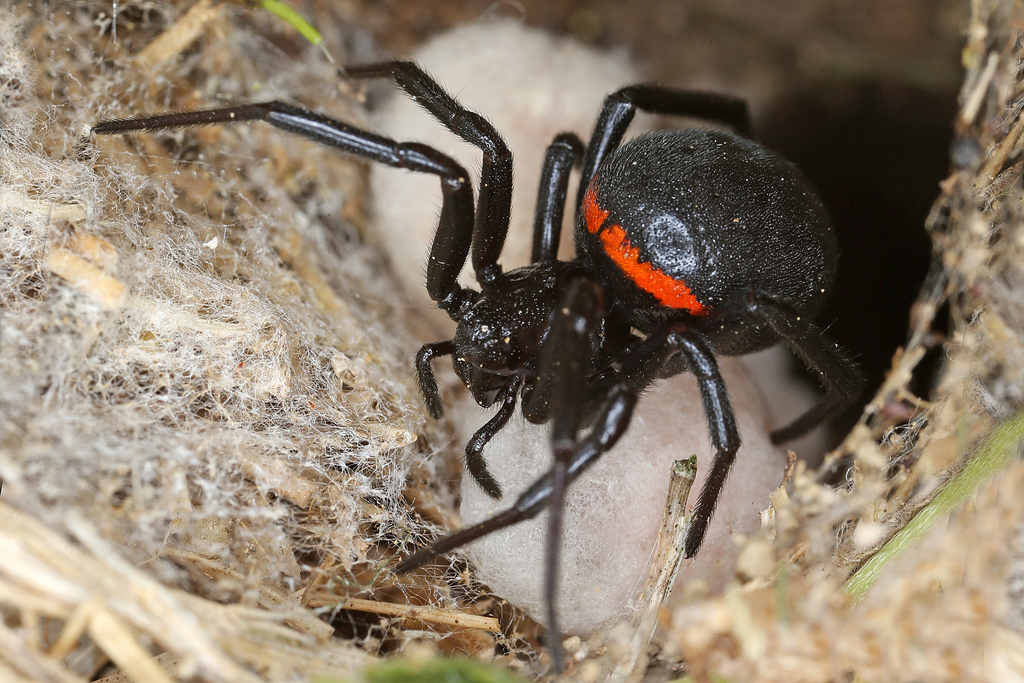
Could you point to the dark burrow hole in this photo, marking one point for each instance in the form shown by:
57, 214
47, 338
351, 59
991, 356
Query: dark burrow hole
876, 152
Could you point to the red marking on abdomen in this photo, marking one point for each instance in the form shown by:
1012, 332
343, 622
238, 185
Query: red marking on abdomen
665, 288
593, 215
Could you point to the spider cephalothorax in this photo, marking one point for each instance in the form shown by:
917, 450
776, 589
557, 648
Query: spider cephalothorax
690, 243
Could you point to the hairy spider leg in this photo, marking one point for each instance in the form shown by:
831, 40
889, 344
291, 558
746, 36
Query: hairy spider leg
494, 204
454, 234
725, 437
566, 363
841, 379
562, 155
475, 462
428, 383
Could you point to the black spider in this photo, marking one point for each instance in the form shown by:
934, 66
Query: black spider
690, 243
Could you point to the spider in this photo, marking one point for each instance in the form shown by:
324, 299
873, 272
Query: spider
690, 244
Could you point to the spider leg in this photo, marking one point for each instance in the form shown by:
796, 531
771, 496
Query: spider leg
566, 362
475, 463
620, 107
610, 426
562, 155
455, 230
428, 384
494, 204
841, 379
725, 438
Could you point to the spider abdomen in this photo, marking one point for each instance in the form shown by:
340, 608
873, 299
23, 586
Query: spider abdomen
681, 221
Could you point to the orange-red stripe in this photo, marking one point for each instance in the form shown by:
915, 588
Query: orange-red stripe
665, 288
593, 214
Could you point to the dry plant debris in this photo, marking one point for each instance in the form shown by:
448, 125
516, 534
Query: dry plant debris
207, 410
210, 436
